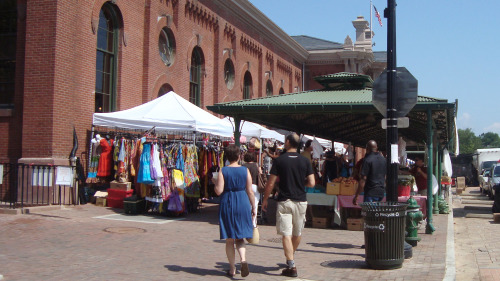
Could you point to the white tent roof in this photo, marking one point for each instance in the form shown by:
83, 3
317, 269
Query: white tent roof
169, 112
250, 129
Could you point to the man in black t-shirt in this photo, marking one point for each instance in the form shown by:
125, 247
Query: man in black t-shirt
372, 175
295, 173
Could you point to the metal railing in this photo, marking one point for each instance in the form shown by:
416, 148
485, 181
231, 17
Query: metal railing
27, 185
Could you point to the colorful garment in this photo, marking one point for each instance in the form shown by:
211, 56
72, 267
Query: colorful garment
144, 175
106, 159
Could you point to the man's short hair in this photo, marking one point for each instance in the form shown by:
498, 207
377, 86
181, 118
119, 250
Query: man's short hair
293, 139
308, 143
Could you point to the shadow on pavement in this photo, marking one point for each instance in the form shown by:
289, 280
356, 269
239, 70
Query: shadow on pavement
222, 267
345, 264
333, 245
298, 250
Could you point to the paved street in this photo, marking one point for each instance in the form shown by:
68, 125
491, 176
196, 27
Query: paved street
94, 243
477, 245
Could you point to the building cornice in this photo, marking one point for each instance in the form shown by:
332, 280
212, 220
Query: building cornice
251, 16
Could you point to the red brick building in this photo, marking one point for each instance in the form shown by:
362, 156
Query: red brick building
61, 61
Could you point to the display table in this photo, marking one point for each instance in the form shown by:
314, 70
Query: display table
345, 201
323, 199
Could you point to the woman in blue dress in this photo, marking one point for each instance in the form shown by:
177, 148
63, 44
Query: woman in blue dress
234, 185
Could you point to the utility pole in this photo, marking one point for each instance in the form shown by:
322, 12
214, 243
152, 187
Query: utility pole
392, 123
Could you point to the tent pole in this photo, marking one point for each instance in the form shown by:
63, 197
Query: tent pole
237, 132
260, 152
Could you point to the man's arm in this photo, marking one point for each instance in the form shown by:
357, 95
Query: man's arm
310, 181
269, 187
361, 186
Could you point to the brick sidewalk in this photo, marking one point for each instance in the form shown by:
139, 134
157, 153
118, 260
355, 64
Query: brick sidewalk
71, 244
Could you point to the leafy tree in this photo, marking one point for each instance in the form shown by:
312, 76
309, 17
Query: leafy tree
490, 139
468, 141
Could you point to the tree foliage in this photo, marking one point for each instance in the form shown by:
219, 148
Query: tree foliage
490, 139
468, 141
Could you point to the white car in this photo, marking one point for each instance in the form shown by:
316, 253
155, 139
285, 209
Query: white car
493, 180
483, 180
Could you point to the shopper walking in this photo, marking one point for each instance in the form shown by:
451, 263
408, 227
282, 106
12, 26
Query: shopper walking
295, 173
234, 185
372, 175
255, 171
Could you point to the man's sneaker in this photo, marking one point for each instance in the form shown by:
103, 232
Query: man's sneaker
289, 271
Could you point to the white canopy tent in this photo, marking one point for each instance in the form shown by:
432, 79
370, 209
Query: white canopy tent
169, 112
250, 129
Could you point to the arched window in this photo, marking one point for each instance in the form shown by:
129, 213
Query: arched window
282, 92
195, 77
107, 55
247, 86
165, 88
269, 88
166, 46
8, 36
229, 73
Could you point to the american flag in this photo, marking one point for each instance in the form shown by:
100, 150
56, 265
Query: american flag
378, 15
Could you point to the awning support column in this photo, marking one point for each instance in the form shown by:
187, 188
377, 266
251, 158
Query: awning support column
429, 229
237, 133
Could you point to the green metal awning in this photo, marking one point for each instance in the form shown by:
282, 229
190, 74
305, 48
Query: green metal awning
342, 111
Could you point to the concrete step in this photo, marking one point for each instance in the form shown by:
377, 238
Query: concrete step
478, 202
479, 216
478, 208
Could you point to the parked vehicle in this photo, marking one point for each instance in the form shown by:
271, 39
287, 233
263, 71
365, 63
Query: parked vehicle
483, 159
462, 167
483, 180
493, 179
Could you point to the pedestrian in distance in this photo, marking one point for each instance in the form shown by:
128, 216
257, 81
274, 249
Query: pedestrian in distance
419, 171
372, 175
295, 173
236, 209
255, 171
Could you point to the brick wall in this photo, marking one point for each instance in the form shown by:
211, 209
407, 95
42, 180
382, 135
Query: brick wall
56, 92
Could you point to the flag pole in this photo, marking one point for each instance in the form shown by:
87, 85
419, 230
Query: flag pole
371, 8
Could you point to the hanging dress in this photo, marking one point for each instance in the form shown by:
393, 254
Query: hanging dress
235, 212
106, 159
144, 175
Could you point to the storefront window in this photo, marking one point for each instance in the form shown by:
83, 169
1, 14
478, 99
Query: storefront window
247, 86
269, 88
165, 88
195, 77
166, 46
229, 74
107, 49
8, 38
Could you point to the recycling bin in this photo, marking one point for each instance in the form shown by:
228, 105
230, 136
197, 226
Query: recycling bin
384, 229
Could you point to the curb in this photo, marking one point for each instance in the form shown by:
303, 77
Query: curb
24, 211
450, 272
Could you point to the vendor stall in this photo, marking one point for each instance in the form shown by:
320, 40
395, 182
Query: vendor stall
168, 148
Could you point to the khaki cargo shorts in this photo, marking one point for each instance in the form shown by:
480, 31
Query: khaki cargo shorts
290, 217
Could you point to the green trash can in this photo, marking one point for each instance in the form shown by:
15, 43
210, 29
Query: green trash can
384, 227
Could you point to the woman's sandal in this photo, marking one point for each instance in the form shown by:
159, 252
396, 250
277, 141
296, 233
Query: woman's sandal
229, 274
244, 269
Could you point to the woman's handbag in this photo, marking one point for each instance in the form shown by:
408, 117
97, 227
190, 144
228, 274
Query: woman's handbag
256, 236
261, 184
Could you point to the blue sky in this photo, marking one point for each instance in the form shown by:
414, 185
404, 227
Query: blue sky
451, 47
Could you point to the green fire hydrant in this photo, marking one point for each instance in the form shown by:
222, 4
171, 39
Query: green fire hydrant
413, 217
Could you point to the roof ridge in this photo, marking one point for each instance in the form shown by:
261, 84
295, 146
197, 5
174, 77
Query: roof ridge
320, 39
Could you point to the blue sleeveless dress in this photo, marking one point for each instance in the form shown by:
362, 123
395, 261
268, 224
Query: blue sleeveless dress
235, 212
